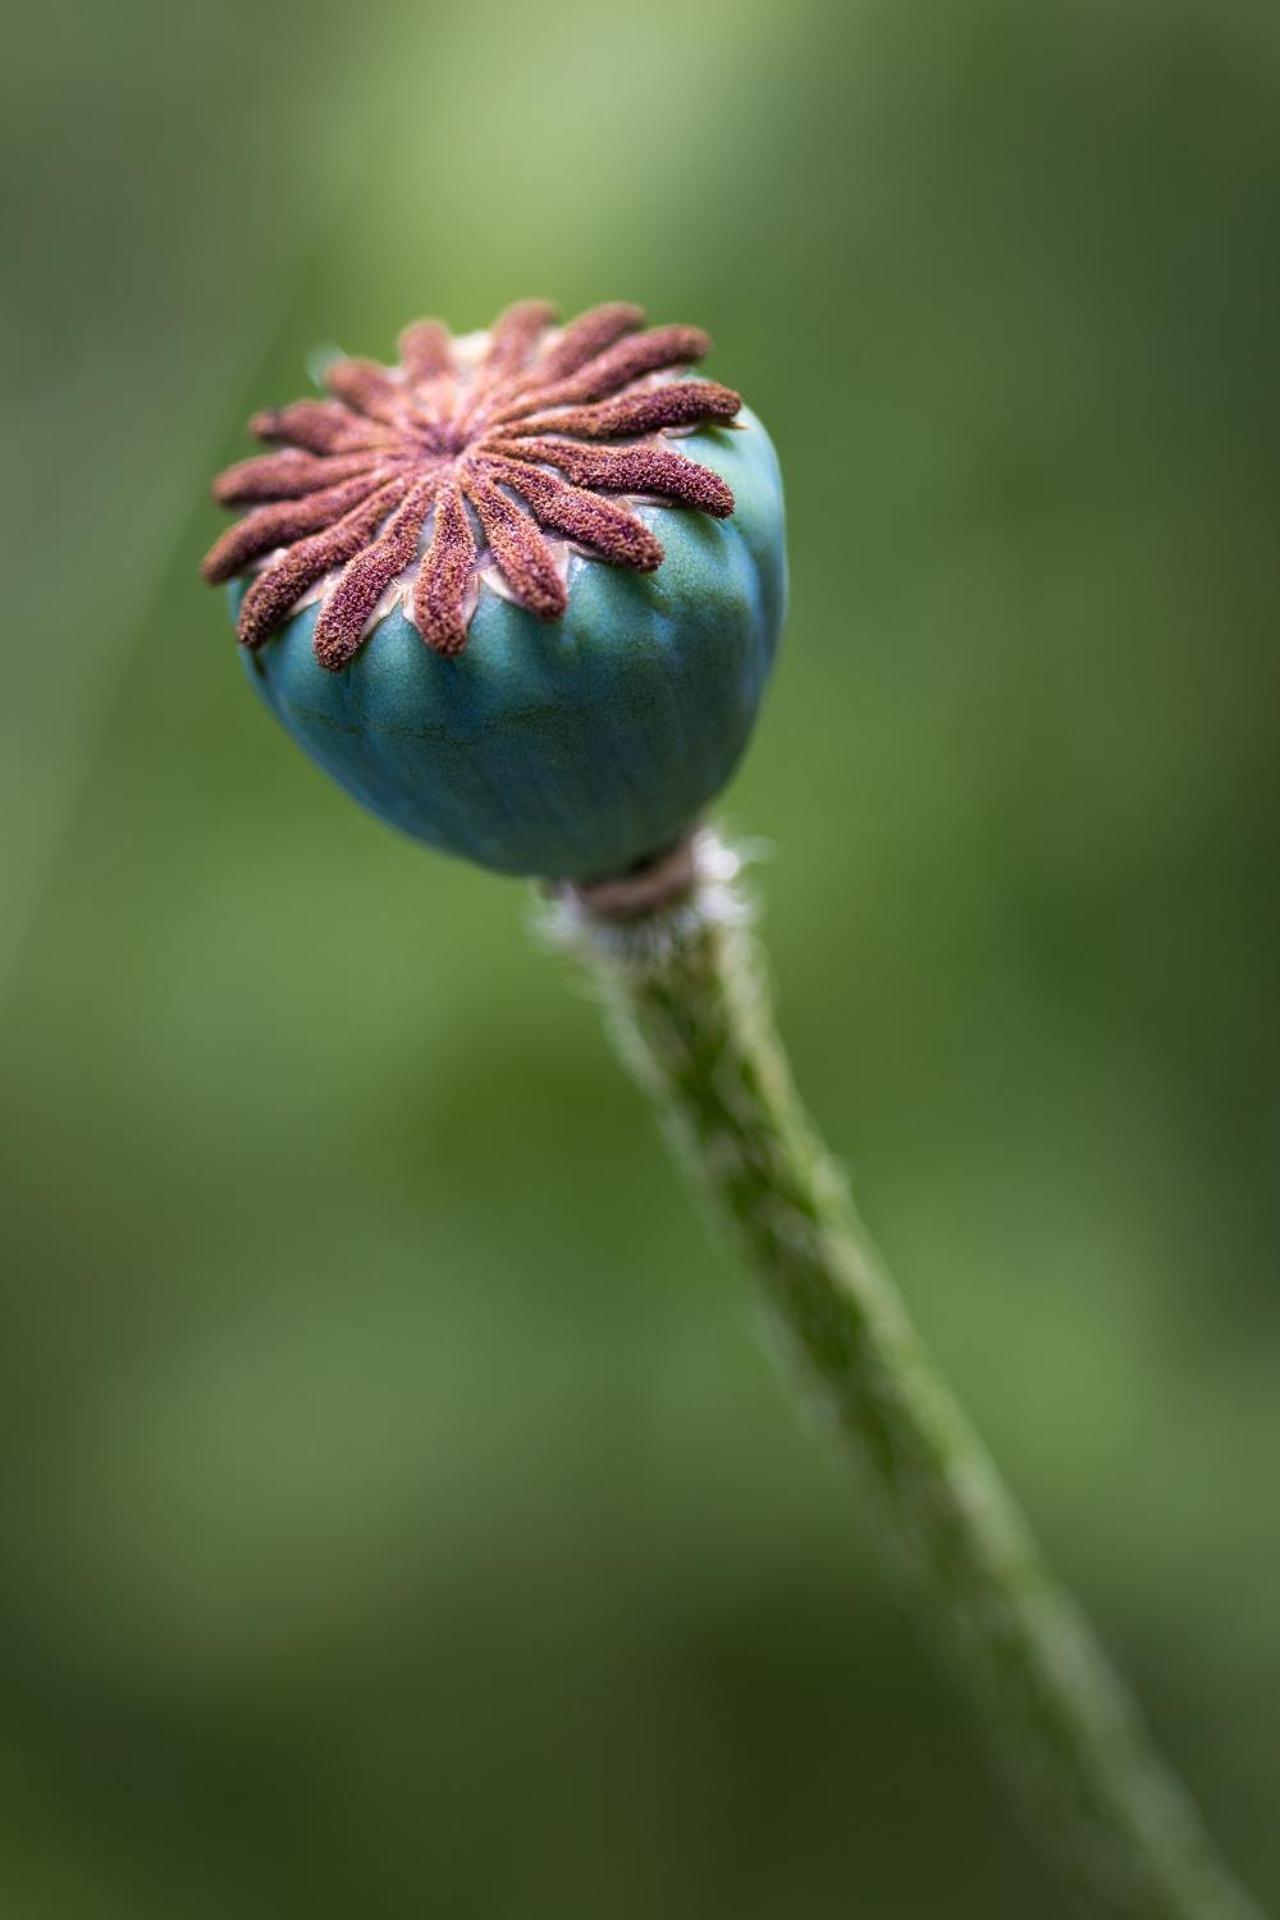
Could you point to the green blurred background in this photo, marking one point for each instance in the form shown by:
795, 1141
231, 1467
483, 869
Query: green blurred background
400, 1516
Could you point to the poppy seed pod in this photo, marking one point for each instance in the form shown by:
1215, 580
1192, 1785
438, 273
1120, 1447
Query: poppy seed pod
519, 594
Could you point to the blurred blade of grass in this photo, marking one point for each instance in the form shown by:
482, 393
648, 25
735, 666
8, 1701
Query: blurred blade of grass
53, 782
159, 230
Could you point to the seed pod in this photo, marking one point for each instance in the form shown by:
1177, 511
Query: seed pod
519, 594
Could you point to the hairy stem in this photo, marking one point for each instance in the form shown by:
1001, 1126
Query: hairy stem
683, 979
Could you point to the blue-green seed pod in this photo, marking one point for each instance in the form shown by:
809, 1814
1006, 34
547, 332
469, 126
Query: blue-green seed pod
529, 649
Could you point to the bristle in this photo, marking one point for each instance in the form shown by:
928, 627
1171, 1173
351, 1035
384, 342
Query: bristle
514, 335
653, 352
280, 525
519, 549
604, 525
424, 350
319, 426
366, 388
276, 590
586, 337
365, 579
445, 576
686, 403
642, 469
289, 475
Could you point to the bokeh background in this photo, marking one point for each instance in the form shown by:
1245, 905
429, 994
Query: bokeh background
400, 1515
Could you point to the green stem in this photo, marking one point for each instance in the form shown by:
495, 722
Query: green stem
684, 982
